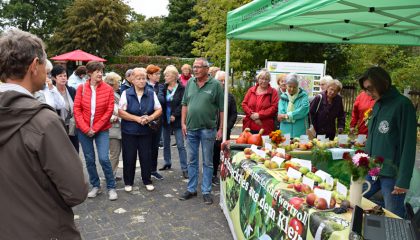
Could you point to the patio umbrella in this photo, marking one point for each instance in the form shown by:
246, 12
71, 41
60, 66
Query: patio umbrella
78, 55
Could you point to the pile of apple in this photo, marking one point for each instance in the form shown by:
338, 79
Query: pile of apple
325, 145
249, 154
318, 202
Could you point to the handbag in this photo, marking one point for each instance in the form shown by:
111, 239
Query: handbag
155, 124
310, 131
72, 126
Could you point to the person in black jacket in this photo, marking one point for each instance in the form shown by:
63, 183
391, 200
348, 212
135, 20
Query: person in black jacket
173, 92
232, 115
59, 77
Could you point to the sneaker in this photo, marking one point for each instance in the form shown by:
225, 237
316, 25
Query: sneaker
187, 195
150, 187
185, 174
157, 175
94, 192
207, 199
215, 181
112, 195
128, 188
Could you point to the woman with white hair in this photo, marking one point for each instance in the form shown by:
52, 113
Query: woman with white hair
327, 111
49, 94
293, 108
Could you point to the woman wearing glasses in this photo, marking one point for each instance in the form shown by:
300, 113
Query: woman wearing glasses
293, 108
260, 105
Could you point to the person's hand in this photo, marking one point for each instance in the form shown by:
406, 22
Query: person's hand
254, 116
172, 118
139, 120
279, 117
91, 133
399, 191
352, 131
340, 131
49, 83
219, 134
258, 121
184, 129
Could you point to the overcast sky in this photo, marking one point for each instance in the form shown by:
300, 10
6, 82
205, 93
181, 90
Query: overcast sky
150, 8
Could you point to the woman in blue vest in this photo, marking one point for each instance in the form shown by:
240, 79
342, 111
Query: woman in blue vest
293, 108
139, 107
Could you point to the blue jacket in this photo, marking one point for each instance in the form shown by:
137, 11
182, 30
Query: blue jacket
296, 124
133, 107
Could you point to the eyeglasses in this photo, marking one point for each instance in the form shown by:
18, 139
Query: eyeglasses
195, 67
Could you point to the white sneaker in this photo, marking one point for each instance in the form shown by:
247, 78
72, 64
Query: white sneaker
94, 192
128, 188
150, 187
112, 195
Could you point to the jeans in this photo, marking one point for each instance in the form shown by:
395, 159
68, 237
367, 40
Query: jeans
392, 202
102, 147
179, 144
207, 138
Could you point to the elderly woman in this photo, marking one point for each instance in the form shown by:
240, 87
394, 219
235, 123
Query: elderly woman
324, 81
213, 70
78, 77
139, 108
93, 108
153, 77
327, 111
113, 80
173, 92
293, 108
186, 74
281, 82
59, 76
260, 105
49, 94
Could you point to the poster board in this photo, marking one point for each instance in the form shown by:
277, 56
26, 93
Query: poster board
309, 74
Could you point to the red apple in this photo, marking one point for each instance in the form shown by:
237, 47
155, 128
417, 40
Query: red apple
298, 187
296, 225
321, 203
314, 169
296, 202
310, 199
287, 156
306, 189
248, 151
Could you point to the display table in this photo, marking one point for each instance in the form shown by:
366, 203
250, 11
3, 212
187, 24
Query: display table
258, 205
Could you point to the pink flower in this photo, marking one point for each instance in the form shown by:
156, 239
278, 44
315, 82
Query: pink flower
374, 171
356, 158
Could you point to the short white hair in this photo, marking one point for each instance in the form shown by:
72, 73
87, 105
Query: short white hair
219, 74
325, 79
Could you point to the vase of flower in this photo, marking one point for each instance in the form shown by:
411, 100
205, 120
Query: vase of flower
356, 193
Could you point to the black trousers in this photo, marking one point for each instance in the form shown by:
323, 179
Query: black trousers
216, 154
156, 135
75, 141
131, 146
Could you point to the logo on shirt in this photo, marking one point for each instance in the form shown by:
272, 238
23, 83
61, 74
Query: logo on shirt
383, 126
208, 92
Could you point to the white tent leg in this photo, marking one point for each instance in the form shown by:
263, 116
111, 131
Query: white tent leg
225, 107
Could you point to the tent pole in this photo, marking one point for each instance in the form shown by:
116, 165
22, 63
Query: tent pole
225, 106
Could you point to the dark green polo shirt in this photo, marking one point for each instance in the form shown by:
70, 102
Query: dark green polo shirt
203, 103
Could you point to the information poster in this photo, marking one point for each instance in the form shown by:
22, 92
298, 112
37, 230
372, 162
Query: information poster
309, 74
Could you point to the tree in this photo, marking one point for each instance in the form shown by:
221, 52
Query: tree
142, 29
175, 36
145, 48
96, 26
40, 17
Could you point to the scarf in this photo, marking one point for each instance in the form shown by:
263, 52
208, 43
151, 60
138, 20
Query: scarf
184, 79
291, 104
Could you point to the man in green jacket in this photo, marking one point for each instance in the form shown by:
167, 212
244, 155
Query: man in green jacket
392, 135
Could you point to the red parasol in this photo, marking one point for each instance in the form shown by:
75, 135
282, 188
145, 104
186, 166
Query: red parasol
78, 55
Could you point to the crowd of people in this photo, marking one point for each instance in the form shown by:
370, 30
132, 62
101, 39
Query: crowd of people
46, 116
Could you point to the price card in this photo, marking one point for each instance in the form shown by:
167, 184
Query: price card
361, 138
293, 173
343, 138
322, 174
325, 194
287, 141
303, 163
308, 181
281, 150
278, 160
254, 147
304, 139
260, 153
266, 139
268, 146
341, 189
329, 180
321, 138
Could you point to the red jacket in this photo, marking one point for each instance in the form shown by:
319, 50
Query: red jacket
103, 110
265, 105
363, 103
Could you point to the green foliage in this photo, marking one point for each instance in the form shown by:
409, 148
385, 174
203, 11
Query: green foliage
142, 29
95, 26
239, 91
175, 35
40, 17
136, 49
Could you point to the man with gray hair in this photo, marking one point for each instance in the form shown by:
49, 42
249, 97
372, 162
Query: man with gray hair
126, 84
41, 174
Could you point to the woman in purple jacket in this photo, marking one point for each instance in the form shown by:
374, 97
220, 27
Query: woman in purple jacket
327, 109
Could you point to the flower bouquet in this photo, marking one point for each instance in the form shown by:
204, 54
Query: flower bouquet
277, 137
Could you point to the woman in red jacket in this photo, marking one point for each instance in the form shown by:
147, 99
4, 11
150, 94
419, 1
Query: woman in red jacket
362, 105
260, 105
93, 107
